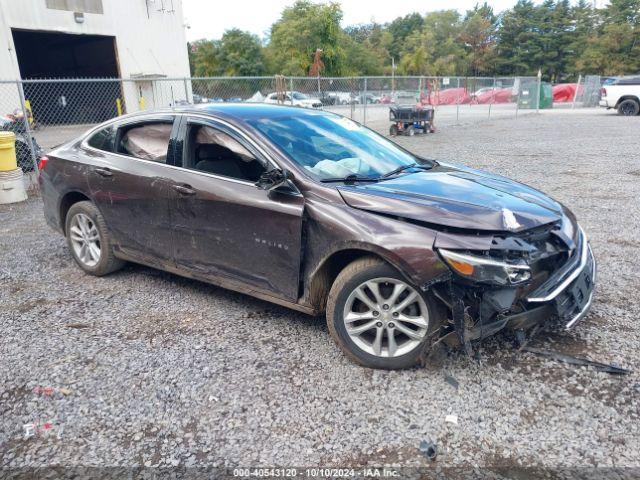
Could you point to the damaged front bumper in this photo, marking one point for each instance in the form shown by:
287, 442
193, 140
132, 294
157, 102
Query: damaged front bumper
571, 288
565, 296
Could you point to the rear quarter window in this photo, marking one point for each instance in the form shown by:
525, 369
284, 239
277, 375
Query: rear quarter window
103, 139
628, 81
147, 141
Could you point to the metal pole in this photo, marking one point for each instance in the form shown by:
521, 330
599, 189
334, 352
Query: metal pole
352, 98
518, 97
458, 103
538, 91
393, 75
575, 94
493, 95
364, 112
27, 128
290, 90
186, 90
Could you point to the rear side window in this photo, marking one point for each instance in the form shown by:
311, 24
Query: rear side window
103, 139
628, 81
147, 141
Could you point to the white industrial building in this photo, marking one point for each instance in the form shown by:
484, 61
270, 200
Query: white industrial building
138, 40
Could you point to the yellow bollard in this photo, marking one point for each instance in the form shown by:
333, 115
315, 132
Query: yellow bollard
27, 106
119, 106
141, 103
8, 159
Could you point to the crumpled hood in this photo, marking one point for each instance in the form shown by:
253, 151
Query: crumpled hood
458, 197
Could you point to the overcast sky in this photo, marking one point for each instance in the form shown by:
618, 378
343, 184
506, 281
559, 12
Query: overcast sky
210, 18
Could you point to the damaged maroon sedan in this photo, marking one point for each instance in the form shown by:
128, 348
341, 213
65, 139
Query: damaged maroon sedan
313, 211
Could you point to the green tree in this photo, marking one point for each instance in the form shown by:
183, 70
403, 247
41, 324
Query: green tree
203, 58
478, 35
302, 29
555, 31
515, 39
561, 38
240, 54
615, 50
400, 29
237, 53
367, 49
584, 20
435, 49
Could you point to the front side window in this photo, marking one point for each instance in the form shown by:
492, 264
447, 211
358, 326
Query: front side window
214, 151
147, 141
330, 146
103, 139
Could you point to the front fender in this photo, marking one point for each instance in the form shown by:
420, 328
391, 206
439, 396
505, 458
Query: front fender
332, 227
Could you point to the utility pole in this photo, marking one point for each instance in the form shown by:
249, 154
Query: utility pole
393, 75
538, 90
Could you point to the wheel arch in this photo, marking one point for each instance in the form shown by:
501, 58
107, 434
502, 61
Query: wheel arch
627, 97
66, 202
323, 276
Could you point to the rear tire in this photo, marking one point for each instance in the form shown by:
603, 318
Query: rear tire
629, 107
84, 225
413, 327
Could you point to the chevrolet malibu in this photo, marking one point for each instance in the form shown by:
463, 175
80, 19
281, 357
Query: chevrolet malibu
315, 212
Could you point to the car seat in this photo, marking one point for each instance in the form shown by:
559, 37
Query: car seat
219, 160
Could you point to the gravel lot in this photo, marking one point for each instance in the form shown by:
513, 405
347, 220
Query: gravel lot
166, 371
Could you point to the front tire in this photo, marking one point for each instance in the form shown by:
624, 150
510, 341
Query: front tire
89, 240
380, 320
629, 107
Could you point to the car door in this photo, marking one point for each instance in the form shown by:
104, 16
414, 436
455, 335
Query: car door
129, 181
226, 227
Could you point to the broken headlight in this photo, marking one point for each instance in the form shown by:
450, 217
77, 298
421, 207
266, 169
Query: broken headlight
486, 270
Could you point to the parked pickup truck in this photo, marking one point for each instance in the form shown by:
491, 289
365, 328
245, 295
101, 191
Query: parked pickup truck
622, 94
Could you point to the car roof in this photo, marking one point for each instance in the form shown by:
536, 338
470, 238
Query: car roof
252, 111
234, 112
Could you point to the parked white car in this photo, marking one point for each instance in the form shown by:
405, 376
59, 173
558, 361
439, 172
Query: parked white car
622, 94
299, 100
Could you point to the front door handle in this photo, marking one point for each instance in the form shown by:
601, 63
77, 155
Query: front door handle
184, 189
104, 172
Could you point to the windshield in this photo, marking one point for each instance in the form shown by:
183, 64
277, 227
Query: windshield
330, 146
299, 96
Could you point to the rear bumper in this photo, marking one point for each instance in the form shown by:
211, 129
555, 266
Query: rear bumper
50, 202
604, 103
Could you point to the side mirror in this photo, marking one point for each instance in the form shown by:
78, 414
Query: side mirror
272, 179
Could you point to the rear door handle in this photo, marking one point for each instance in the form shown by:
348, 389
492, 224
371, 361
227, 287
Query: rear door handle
104, 172
184, 189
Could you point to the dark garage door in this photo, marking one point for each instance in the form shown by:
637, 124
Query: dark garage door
52, 55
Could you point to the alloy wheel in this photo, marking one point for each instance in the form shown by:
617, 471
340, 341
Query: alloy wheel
628, 108
386, 317
85, 239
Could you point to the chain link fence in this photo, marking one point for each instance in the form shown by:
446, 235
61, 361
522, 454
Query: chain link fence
587, 92
47, 113
16, 117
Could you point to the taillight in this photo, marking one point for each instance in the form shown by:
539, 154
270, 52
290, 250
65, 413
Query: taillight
603, 92
42, 162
